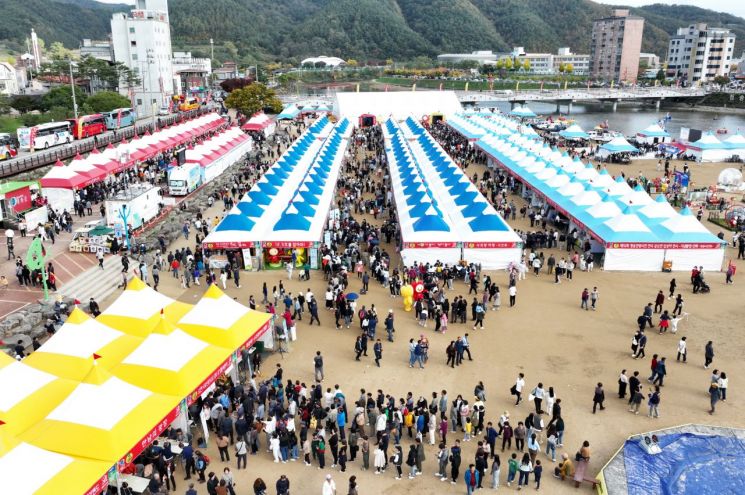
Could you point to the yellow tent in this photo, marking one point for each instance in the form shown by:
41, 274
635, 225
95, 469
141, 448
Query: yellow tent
69, 353
139, 308
27, 394
104, 418
221, 321
171, 362
26, 469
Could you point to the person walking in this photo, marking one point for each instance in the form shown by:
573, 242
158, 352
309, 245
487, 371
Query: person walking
517, 388
512, 291
584, 299
594, 296
378, 350
659, 301
708, 354
623, 382
598, 398
525, 468
329, 486
472, 479
714, 396
654, 403
660, 370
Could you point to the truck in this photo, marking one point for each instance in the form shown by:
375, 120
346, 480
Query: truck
183, 179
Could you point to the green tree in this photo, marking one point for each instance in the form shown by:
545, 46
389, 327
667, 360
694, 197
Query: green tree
254, 98
500, 64
57, 51
508, 64
660, 75
105, 101
562, 67
388, 62
721, 80
61, 97
352, 62
526, 65
569, 68
25, 103
4, 104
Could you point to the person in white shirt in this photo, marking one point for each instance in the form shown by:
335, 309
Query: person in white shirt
518, 387
329, 487
682, 350
513, 294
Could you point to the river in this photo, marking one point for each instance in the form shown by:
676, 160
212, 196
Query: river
630, 119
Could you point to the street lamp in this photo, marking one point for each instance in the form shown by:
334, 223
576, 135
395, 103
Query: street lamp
212, 49
72, 87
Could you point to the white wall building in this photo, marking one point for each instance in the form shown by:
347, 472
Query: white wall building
142, 42
482, 57
700, 53
651, 60
580, 63
8, 79
100, 49
548, 63
190, 74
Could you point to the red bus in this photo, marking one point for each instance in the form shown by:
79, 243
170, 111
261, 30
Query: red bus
87, 125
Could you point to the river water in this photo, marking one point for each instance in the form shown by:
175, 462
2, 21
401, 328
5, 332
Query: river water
630, 119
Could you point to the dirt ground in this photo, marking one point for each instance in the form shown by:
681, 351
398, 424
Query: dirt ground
546, 336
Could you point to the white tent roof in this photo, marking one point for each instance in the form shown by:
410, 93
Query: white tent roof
38, 465
82, 341
18, 381
397, 104
169, 352
222, 312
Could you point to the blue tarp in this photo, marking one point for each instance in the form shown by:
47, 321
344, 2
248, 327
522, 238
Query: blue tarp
689, 464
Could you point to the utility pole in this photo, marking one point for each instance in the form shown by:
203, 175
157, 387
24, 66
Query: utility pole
72, 87
212, 49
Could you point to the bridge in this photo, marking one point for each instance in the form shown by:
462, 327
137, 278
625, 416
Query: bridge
567, 97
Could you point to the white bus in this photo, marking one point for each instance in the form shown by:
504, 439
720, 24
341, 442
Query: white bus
44, 135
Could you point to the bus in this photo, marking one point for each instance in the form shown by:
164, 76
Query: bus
43, 136
7, 147
88, 125
120, 117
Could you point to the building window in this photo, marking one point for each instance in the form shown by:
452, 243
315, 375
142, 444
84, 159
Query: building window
134, 56
139, 102
132, 30
132, 43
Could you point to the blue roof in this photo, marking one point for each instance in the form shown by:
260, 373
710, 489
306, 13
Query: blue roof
250, 208
474, 209
466, 198
259, 197
292, 221
304, 208
487, 222
235, 222
433, 223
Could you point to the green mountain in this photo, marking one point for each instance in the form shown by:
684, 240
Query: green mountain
267, 30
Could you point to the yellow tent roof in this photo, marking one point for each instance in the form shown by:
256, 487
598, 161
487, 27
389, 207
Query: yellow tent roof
27, 394
139, 308
26, 469
69, 353
221, 321
170, 361
107, 419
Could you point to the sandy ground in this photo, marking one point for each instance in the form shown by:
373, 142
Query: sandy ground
546, 336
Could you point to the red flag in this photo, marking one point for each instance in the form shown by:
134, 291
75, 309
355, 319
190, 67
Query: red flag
2, 422
76, 302
96, 356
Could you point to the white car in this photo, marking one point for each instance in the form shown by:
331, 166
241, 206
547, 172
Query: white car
164, 111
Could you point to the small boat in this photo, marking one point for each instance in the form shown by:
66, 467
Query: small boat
721, 130
603, 135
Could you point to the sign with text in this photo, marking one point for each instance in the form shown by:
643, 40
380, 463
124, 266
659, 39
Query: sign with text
19, 200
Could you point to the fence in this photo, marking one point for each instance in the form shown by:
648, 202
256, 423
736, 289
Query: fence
48, 157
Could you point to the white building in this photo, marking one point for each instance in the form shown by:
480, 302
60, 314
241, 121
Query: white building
142, 42
482, 57
326, 61
651, 60
100, 49
8, 79
548, 63
190, 74
700, 53
580, 63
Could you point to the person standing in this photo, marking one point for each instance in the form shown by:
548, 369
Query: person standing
513, 294
682, 349
318, 366
495, 471
584, 299
714, 396
517, 388
623, 382
525, 468
598, 398
594, 296
708, 354
654, 403
583, 460
658, 302
455, 462
329, 486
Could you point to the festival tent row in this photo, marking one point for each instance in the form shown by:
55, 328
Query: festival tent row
289, 112
615, 146
222, 150
260, 122
60, 182
397, 105
634, 231
710, 149
442, 215
82, 407
286, 210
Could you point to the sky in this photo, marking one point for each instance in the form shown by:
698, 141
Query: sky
734, 7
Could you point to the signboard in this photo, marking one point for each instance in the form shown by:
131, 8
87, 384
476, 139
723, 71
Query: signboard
19, 200
148, 439
313, 257
490, 245
229, 245
663, 245
247, 260
425, 245
287, 244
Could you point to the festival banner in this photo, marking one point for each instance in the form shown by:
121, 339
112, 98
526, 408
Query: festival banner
425, 245
148, 439
19, 200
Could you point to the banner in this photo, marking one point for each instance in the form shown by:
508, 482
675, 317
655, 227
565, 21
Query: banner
425, 245
32, 139
119, 118
19, 200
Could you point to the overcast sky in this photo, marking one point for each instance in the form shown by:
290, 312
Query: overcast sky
734, 7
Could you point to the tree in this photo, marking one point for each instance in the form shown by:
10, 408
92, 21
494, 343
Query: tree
352, 62
57, 51
569, 68
105, 101
25, 103
562, 67
254, 98
721, 80
61, 97
509, 64
4, 104
526, 65
660, 75
500, 64
230, 85
388, 61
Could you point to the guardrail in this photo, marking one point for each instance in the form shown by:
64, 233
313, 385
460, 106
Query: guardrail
48, 157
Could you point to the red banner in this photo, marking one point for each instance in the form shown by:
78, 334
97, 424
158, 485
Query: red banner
663, 245
19, 200
148, 439
287, 244
211, 378
100, 486
489, 245
425, 245
229, 245
32, 138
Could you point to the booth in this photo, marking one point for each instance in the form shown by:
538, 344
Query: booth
710, 149
260, 122
367, 120
15, 198
654, 134
134, 207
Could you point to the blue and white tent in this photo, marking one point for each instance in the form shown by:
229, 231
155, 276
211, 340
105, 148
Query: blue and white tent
710, 149
617, 145
653, 134
289, 112
574, 131
523, 112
